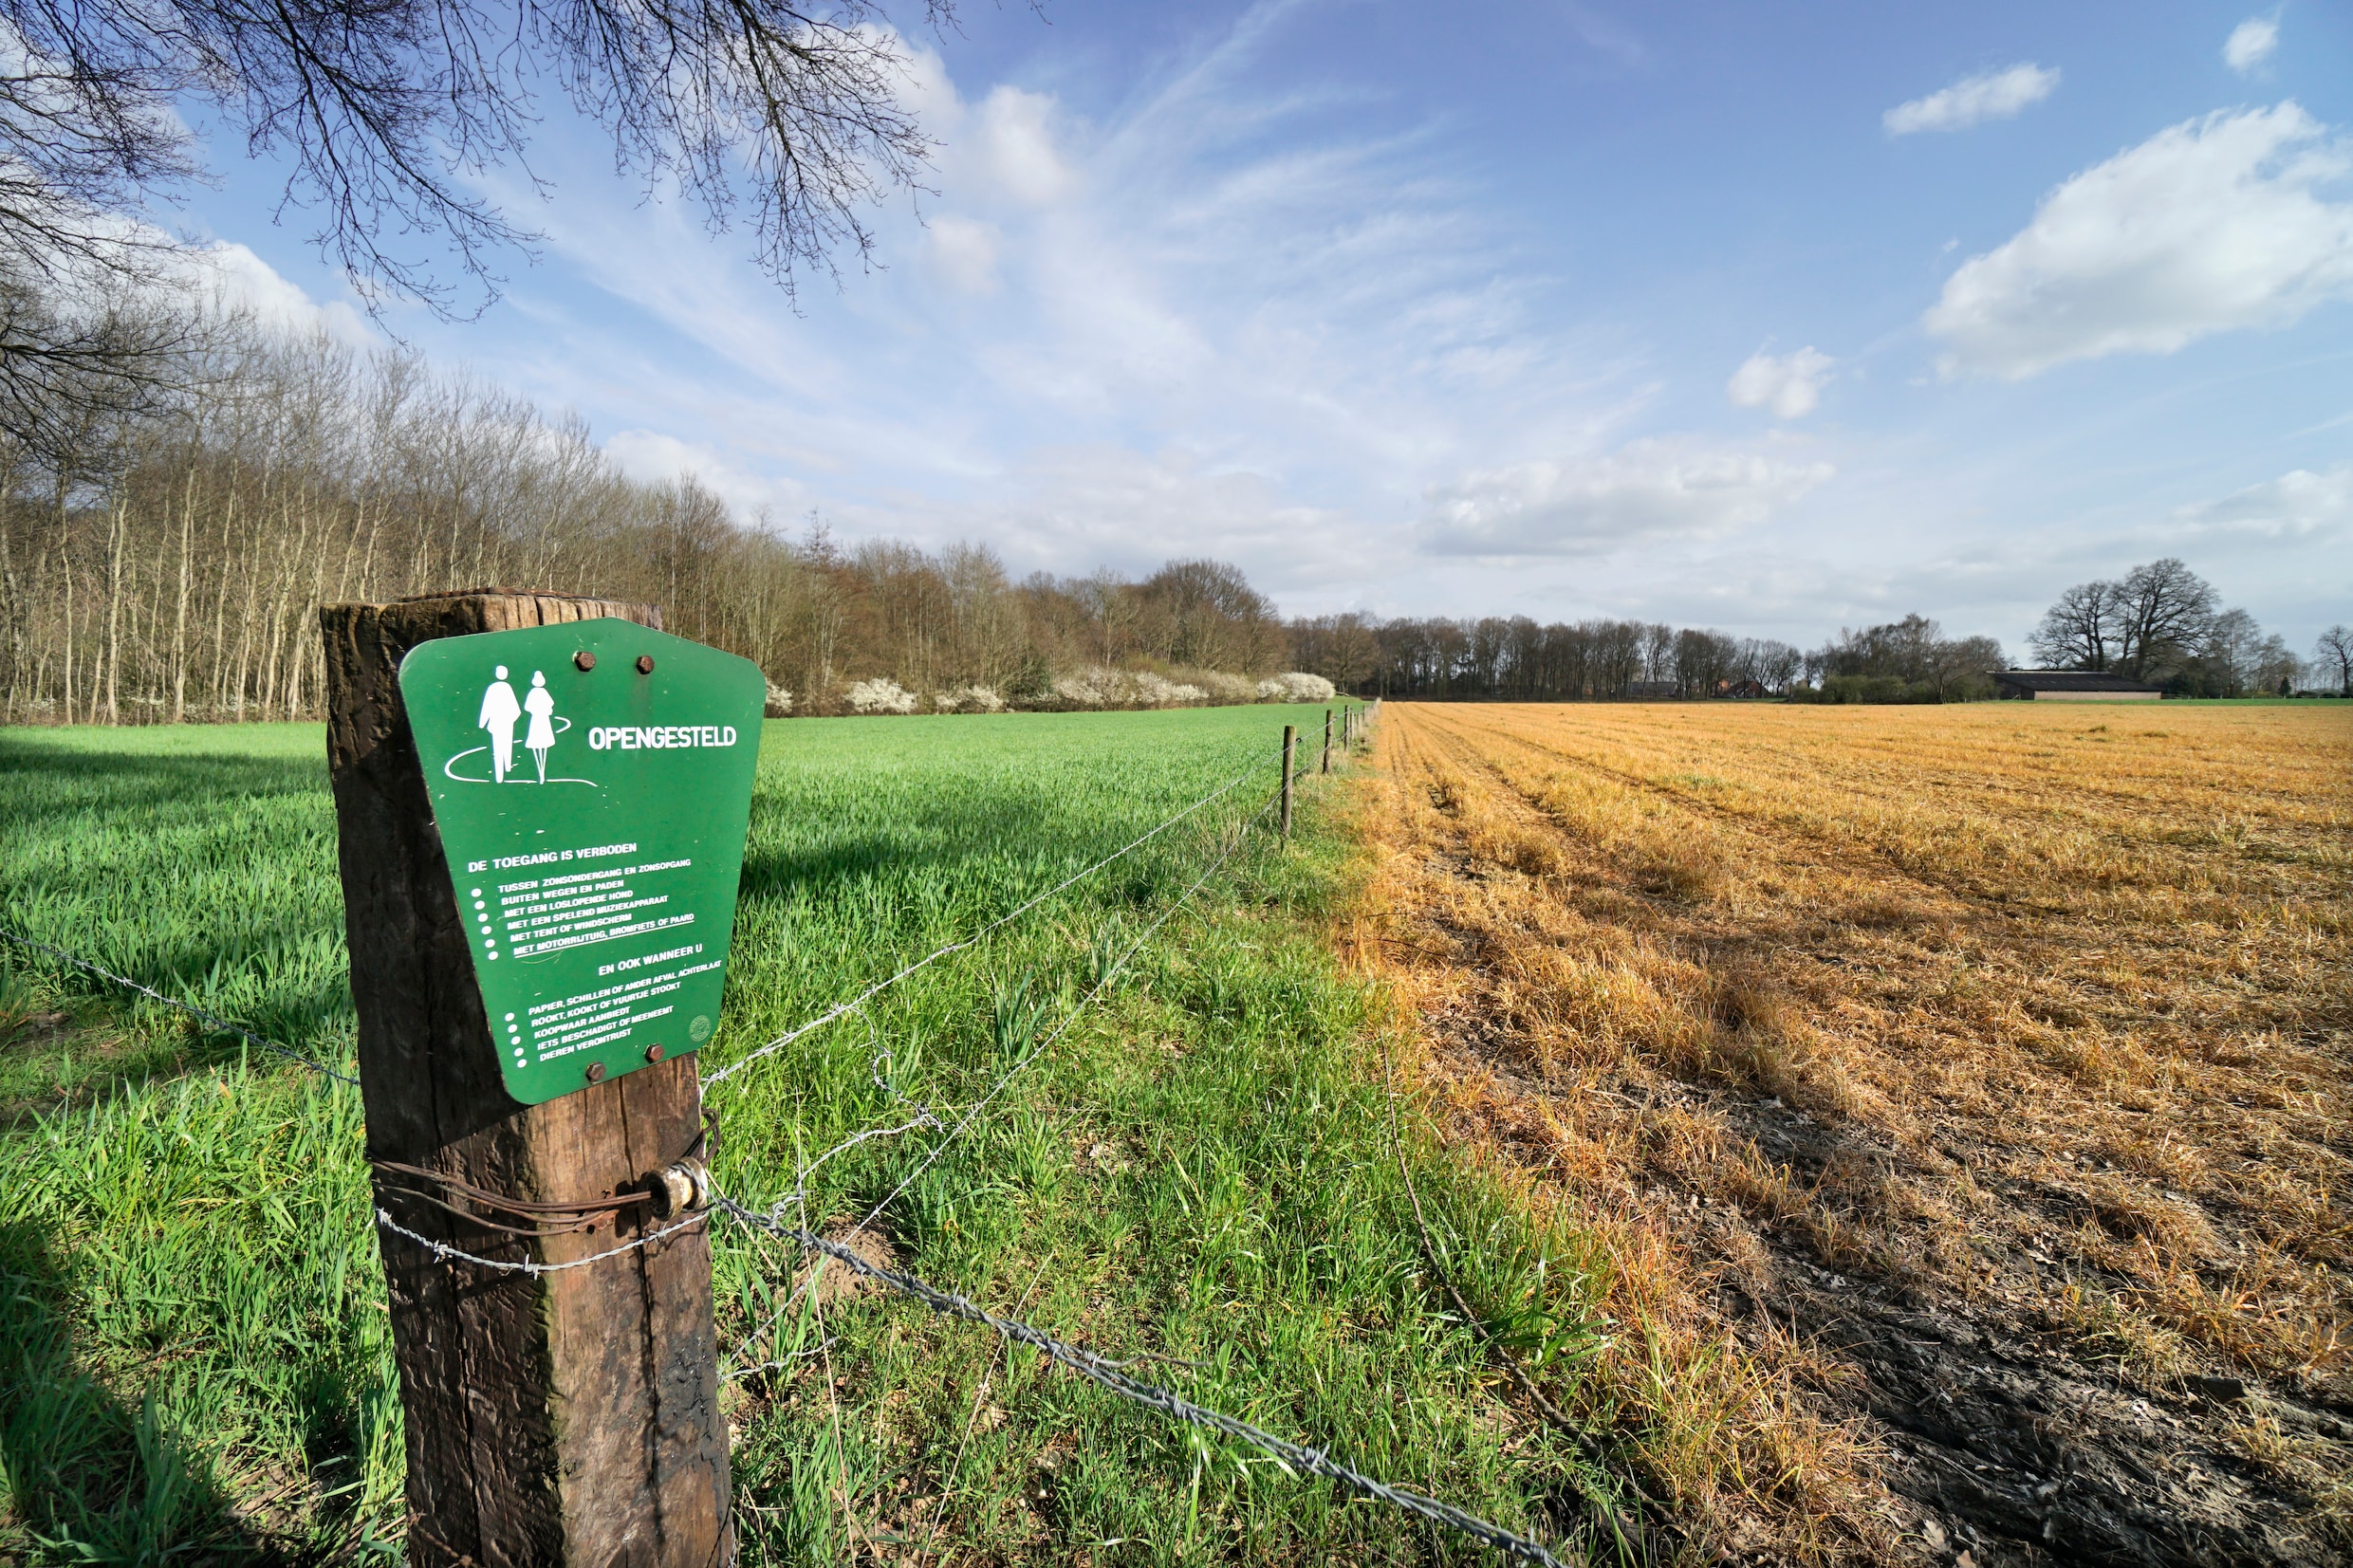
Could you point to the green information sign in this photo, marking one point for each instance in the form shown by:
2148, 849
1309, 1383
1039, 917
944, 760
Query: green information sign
592, 783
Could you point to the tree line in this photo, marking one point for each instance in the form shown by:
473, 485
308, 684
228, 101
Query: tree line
2162, 624
1518, 660
167, 564
163, 558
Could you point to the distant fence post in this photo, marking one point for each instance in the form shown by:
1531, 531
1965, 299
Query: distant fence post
1327, 742
560, 1418
1291, 738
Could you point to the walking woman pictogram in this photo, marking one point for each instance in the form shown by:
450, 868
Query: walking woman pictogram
543, 734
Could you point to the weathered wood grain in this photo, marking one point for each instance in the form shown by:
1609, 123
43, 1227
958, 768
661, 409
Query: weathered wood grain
570, 1418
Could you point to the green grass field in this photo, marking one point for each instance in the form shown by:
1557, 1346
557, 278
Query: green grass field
193, 1360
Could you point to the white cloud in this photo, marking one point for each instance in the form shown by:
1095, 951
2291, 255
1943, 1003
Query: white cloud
2250, 43
220, 275
1014, 149
2297, 507
241, 279
656, 458
963, 255
2209, 226
1647, 490
1791, 386
1996, 95
1078, 508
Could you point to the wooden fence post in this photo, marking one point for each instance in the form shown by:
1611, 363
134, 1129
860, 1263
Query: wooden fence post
1327, 742
563, 1418
1291, 738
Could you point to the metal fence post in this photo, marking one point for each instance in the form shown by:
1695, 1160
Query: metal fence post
1291, 738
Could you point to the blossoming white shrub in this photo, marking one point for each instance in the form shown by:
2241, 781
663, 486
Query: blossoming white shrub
779, 701
1097, 687
1226, 689
970, 699
1094, 688
1296, 686
880, 696
1152, 691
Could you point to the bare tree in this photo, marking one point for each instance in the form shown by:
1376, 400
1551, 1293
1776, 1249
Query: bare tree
2276, 667
1205, 613
113, 356
2336, 647
2164, 609
385, 107
784, 115
2231, 653
2083, 630
1961, 663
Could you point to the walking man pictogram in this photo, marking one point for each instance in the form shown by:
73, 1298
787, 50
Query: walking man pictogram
499, 713
540, 705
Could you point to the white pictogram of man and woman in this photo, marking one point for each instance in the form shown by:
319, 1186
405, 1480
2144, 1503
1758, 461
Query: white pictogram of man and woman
499, 712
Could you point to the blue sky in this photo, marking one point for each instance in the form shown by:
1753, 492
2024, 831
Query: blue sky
1768, 319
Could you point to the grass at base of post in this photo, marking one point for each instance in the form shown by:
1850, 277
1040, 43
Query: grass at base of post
1198, 1171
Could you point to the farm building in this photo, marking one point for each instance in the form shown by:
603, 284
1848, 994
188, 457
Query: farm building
2072, 686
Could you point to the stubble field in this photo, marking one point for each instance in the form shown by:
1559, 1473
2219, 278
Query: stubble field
1958, 1094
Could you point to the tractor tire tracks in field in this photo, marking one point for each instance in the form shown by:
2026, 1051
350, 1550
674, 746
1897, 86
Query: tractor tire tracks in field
1696, 1022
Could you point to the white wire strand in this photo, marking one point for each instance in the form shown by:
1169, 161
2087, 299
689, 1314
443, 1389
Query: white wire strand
446, 1253
221, 1025
1072, 1017
1105, 1373
936, 953
800, 1190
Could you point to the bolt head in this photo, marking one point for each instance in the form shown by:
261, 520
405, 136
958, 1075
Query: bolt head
596, 1072
653, 1052
645, 664
585, 659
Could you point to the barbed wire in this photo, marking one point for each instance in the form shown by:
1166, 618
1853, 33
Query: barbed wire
446, 1253
221, 1025
938, 953
450, 1253
1100, 1370
1103, 1370
1102, 984
800, 1190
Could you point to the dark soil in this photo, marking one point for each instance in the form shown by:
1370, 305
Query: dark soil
2015, 1449
2004, 1444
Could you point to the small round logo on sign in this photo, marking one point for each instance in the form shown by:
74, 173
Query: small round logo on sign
699, 1031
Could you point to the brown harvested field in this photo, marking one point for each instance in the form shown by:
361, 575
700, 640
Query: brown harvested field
1960, 1095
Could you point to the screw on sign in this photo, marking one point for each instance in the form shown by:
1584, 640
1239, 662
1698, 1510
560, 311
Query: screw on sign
541, 804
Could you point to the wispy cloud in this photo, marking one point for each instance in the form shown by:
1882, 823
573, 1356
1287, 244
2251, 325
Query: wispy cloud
1277, 313
1646, 491
1997, 95
2250, 43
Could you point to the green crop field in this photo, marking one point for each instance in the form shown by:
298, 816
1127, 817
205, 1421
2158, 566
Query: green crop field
194, 1356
